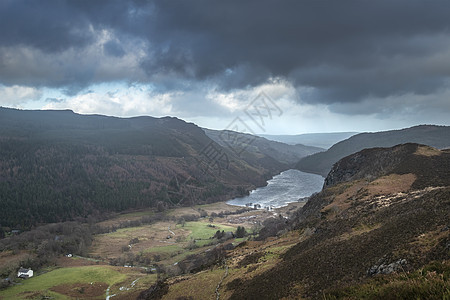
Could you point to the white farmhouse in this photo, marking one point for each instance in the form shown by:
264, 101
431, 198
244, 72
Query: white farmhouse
25, 273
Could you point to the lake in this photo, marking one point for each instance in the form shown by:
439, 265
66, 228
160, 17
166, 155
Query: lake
287, 187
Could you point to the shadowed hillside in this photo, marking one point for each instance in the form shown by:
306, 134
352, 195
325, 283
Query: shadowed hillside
322, 140
378, 230
59, 165
251, 144
321, 163
382, 211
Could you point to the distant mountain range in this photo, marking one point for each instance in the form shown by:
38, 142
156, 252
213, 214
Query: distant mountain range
321, 163
247, 143
59, 165
321, 140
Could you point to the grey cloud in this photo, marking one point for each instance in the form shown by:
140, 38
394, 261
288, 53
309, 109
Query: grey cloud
54, 100
47, 25
344, 51
113, 48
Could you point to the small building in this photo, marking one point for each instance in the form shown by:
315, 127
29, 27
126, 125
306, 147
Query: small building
25, 273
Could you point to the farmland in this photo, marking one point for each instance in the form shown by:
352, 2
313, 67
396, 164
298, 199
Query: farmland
88, 282
125, 261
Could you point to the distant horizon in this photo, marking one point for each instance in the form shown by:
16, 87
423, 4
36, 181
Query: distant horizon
255, 133
306, 66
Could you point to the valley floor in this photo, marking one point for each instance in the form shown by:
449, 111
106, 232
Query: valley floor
122, 263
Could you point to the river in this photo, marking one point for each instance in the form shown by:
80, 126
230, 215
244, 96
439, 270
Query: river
286, 187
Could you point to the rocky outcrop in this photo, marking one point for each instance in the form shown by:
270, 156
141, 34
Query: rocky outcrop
369, 164
321, 163
430, 165
384, 268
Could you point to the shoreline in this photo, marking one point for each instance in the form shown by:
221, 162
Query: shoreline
290, 206
281, 190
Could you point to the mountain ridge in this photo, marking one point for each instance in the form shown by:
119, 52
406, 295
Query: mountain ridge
373, 222
431, 135
321, 140
288, 154
59, 165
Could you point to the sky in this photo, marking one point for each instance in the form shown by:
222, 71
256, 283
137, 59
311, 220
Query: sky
274, 67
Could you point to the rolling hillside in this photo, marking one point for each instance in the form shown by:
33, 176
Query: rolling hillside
378, 230
59, 165
246, 144
375, 221
321, 163
321, 140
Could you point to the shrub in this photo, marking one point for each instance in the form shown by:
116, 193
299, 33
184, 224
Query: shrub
240, 232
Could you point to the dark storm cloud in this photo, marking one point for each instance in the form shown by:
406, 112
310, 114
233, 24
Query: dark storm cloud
49, 26
343, 51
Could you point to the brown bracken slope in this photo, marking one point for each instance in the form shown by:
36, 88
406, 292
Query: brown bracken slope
382, 211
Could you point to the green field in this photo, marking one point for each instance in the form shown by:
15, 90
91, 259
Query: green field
201, 231
40, 285
198, 231
79, 281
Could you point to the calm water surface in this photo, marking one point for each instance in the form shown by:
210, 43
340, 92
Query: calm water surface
289, 186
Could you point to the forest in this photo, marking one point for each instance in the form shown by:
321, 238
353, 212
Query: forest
58, 166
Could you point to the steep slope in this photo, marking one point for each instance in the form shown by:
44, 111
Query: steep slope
58, 165
321, 163
321, 140
247, 143
382, 211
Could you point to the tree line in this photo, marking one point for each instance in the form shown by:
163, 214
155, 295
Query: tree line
48, 182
